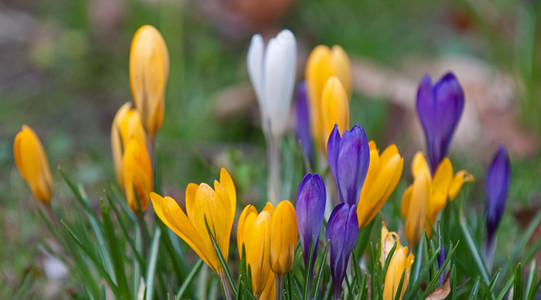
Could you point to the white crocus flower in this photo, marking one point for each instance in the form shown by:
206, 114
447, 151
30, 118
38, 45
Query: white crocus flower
272, 72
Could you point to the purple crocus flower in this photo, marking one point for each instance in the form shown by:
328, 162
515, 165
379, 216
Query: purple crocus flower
439, 108
342, 230
496, 185
309, 209
302, 119
349, 157
441, 260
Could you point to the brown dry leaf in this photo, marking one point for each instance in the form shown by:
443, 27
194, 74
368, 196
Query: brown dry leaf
440, 293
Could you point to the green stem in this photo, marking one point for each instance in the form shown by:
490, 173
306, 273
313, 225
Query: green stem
228, 294
273, 188
279, 287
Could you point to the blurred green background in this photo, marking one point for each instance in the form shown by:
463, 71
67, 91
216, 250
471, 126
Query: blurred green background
64, 72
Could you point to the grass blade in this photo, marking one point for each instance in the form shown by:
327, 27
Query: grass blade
189, 279
152, 261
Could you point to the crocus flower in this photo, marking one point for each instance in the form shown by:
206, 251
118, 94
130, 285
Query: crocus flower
310, 207
399, 265
427, 196
32, 164
216, 206
496, 185
283, 238
383, 175
349, 157
342, 231
302, 122
439, 108
126, 125
334, 108
254, 232
272, 72
320, 66
149, 69
137, 175
388, 240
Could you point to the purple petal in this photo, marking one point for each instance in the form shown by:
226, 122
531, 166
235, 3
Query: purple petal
302, 127
310, 208
333, 147
439, 109
353, 161
441, 260
497, 185
342, 231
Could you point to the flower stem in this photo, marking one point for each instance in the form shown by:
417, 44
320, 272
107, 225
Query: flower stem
279, 287
273, 188
228, 294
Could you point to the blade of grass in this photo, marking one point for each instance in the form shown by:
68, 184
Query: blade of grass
436, 277
152, 261
517, 287
227, 273
186, 284
306, 292
320, 271
474, 250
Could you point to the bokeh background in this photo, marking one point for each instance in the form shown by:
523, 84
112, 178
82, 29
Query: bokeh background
64, 72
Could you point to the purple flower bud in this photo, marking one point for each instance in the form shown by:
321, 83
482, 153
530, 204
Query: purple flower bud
439, 108
310, 207
302, 120
349, 157
342, 230
497, 185
441, 260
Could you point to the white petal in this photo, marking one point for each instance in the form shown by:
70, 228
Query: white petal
254, 61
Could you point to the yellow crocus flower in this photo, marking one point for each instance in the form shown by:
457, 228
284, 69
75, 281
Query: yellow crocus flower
388, 239
422, 201
126, 125
383, 175
283, 238
400, 264
32, 164
254, 232
334, 109
322, 64
149, 69
216, 205
137, 174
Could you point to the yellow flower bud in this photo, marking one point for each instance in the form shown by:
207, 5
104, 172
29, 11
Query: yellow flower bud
126, 125
334, 108
388, 239
414, 208
383, 175
149, 69
283, 238
400, 265
322, 64
253, 231
137, 174
32, 164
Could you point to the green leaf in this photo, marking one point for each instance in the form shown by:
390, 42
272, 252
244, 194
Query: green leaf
517, 287
475, 289
186, 284
399, 289
436, 277
117, 257
306, 293
152, 261
321, 269
222, 260
474, 250
506, 287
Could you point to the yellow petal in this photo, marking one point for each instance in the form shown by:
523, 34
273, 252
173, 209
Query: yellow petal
248, 210
388, 239
269, 208
439, 190
257, 243
318, 70
459, 179
149, 69
137, 174
32, 163
419, 165
283, 238
342, 67
334, 108
400, 264
227, 183
173, 217
269, 292
416, 213
117, 142
406, 200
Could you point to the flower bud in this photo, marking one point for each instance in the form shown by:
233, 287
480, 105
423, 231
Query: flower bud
149, 69
334, 108
137, 173
32, 164
283, 238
